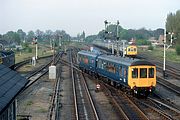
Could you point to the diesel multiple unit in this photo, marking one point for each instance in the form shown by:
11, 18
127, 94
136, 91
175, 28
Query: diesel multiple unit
131, 51
136, 75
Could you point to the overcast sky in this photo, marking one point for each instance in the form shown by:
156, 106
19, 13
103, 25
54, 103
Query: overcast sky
74, 16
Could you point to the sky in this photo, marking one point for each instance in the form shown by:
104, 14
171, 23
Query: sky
75, 16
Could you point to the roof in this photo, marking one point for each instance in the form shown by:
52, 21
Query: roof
119, 60
11, 83
92, 54
125, 61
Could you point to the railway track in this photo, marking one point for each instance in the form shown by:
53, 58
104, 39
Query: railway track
34, 76
55, 105
147, 107
156, 109
172, 87
130, 107
83, 102
126, 108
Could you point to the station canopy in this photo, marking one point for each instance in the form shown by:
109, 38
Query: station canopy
11, 83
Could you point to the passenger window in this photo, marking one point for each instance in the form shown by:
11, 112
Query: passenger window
129, 49
111, 67
100, 64
125, 72
134, 49
143, 72
151, 72
120, 70
104, 65
135, 73
92, 61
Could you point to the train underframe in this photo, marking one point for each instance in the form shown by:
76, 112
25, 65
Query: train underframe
142, 91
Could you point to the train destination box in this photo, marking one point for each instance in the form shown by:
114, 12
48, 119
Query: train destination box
52, 72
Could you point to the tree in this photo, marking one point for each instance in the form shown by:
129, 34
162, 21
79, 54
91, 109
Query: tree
39, 34
22, 34
48, 34
30, 36
12, 37
173, 25
89, 39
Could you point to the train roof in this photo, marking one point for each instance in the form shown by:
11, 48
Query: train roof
125, 61
92, 54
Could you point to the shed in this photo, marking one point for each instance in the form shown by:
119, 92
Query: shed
11, 84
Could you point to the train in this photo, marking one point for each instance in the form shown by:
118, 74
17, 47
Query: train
136, 76
131, 51
7, 58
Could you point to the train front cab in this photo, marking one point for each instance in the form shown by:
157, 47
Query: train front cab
131, 51
142, 79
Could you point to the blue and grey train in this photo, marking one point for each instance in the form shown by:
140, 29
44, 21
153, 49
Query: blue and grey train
135, 75
7, 58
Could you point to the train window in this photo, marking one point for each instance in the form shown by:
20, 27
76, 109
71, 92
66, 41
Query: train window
134, 49
99, 63
143, 72
135, 73
125, 72
104, 65
120, 70
86, 60
92, 61
129, 49
111, 68
151, 72
79, 58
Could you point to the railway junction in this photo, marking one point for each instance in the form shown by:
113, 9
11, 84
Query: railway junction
74, 92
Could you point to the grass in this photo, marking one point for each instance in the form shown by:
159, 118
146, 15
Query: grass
29, 103
42, 110
159, 53
20, 56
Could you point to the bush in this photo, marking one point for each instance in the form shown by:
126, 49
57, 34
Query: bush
178, 49
150, 47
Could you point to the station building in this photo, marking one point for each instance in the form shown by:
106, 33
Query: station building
11, 84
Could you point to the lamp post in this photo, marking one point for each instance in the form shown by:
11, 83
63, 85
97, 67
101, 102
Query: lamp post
60, 37
53, 51
117, 37
36, 55
36, 48
168, 46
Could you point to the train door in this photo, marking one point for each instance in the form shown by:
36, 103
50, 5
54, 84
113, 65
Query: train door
120, 73
116, 71
125, 74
